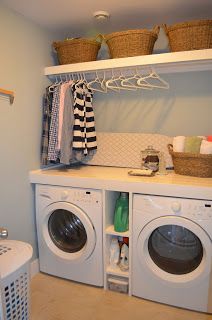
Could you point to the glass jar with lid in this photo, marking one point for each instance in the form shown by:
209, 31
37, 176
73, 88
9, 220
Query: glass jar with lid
150, 158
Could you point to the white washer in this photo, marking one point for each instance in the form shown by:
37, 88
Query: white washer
69, 230
172, 251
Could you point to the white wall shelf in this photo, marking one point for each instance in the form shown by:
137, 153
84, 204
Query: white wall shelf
184, 61
117, 272
110, 230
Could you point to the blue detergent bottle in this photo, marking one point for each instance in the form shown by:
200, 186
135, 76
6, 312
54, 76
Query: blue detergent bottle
121, 214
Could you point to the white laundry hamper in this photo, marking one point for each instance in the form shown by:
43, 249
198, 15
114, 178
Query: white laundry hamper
14, 280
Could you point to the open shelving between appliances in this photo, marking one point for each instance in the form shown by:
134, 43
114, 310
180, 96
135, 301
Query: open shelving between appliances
110, 198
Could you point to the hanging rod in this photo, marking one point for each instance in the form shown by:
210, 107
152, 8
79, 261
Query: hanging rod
8, 93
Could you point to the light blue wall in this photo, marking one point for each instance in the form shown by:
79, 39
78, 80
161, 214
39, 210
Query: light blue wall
184, 109
25, 51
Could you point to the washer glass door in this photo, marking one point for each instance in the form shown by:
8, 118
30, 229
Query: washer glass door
175, 249
67, 231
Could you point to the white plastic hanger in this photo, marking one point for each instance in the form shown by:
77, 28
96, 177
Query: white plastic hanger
96, 85
103, 82
155, 77
80, 79
109, 83
55, 84
128, 82
118, 83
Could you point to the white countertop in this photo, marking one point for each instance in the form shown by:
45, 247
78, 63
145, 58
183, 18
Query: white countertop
117, 179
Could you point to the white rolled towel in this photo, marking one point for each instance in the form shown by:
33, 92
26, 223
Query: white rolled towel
203, 137
206, 147
178, 143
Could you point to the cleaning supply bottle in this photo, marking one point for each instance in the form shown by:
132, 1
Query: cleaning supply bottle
124, 258
121, 214
114, 253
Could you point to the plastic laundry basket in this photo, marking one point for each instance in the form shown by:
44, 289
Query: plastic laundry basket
14, 280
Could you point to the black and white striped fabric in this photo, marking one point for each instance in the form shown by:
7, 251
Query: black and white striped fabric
84, 134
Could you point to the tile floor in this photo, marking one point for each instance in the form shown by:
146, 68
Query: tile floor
58, 299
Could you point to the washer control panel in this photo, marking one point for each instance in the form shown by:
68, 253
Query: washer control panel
72, 195
85, 196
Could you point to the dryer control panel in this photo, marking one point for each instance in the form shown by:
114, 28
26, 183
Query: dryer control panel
201, 210
191, 208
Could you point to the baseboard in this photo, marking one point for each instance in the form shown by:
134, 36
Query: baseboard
34, 268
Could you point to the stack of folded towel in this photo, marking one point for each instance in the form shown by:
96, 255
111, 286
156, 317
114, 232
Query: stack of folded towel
194, 144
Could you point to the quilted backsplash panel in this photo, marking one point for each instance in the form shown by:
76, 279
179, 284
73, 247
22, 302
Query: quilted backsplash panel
124, 149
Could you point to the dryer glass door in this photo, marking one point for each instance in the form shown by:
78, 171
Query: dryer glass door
67, 231
175, 249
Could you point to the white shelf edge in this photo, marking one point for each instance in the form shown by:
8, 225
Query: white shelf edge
110, 231
196, 60
117, 272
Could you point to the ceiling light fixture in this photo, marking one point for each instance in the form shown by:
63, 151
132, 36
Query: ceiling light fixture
101, 15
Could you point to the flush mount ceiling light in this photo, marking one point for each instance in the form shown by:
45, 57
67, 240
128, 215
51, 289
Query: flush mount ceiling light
101, 15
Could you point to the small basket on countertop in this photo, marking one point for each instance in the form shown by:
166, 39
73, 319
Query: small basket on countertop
190, 35
131, 43
77, 50
191, 164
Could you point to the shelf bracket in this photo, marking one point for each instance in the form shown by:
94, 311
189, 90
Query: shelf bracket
8, 93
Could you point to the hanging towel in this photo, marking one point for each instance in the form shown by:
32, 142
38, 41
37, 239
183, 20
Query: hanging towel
192, 144
66, 152
206, 147
84, 134
63, 87
53, 136
203, 137
47, 110
178, 144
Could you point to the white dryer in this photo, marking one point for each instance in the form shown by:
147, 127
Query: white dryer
172, 251
69, 230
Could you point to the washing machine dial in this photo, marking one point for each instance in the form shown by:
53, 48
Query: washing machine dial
64, 195
176, 206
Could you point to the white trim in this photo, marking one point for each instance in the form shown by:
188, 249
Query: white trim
34, 268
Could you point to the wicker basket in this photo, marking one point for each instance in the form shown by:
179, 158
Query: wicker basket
131, 43
191, 35
190, 164
77, 50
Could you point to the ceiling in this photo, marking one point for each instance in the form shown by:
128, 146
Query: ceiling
75, 18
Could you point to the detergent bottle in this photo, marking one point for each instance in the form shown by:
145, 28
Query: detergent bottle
121, 214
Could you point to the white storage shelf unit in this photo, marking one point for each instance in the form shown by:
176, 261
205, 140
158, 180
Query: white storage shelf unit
109, 201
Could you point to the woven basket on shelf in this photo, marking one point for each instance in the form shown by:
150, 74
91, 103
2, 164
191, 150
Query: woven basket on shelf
190, 164
77, 50
131, 42
191, 35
